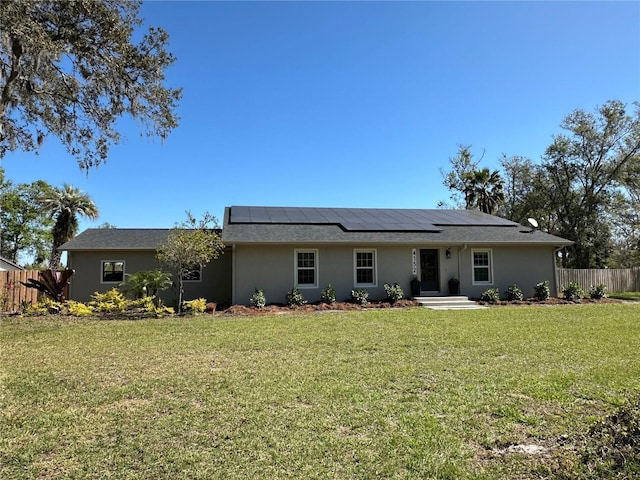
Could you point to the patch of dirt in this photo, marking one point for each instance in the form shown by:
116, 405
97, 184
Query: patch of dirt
280, 309
550, 301
313, 307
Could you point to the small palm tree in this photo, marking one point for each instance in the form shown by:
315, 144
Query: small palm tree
483, 189
65, 204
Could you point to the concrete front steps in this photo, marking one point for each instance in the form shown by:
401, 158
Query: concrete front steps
457, 302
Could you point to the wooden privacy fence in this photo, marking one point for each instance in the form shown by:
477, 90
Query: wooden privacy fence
13, 294
615, 279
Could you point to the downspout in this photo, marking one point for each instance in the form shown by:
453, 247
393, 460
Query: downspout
233, 274
555, 269
459, 274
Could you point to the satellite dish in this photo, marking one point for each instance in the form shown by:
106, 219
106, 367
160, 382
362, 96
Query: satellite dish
533, 222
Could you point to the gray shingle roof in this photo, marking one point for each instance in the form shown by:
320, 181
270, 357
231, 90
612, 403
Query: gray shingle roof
118, 239
382, 226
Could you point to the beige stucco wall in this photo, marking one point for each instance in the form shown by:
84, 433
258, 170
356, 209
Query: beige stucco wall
271, 268
215, 284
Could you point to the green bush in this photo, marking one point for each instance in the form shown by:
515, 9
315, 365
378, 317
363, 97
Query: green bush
573, 292
542, 292
491, 295
258, 299
598, 292
145, 283
197, 305
294, 298
328, 295
513, 293
112, 301
359, 296
394, 292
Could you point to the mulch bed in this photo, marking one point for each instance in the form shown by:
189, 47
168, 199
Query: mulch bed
344, 306
314, 307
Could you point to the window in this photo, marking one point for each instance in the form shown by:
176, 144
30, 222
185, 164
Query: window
482, 268
306, 274
193, 274
365, 268
112, 271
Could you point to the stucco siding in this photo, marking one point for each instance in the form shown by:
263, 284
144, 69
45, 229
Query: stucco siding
521, 265
272, 269
215, 284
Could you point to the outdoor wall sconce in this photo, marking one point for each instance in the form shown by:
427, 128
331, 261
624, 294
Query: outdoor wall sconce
448, 253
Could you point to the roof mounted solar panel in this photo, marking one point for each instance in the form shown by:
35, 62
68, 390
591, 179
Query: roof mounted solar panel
363, 219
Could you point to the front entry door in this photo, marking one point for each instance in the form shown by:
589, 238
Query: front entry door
429, 271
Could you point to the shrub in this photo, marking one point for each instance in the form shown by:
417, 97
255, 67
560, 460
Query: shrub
197, 305
145, 304
294, 298
78, 309
359, 296
492, 295
542, 291
328, 295
394, 292
573, 292
108, 302
598, 292
148, 307
513, 293
145, 283
258, 299
45, 306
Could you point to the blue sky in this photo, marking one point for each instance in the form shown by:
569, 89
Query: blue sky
350, 104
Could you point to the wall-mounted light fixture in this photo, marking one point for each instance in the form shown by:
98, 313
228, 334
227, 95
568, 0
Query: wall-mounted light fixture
448, 253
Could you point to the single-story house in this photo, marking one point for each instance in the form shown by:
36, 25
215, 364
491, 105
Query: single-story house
8, 265
277, 248
274, 249
102, 257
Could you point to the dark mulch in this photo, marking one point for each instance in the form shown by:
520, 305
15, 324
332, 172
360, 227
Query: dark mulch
314, 307
320, 307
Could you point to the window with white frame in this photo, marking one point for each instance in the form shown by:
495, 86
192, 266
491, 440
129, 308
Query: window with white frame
482, 267
306, 264
365, 268
112, 271
192, 274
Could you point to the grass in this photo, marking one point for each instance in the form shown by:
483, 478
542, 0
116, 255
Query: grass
629, 296
401, 393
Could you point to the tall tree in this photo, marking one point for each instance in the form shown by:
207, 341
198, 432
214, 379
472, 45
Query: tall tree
191, 246
585, 169
25, 226
71, 69
462, 166
483, 190
471, 187
66, 204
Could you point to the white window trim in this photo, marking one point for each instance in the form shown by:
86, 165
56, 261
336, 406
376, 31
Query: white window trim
490, 266
355, 267
195, 281
124, 271
316, 270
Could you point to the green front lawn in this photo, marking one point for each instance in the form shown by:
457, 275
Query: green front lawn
629, 296
395, 393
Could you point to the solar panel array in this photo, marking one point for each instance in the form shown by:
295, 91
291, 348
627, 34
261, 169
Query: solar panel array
365, 219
